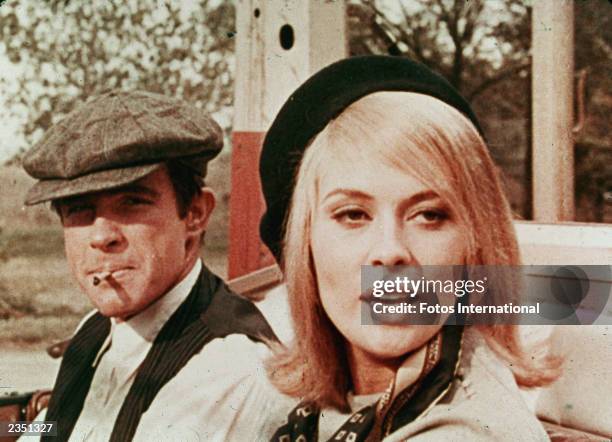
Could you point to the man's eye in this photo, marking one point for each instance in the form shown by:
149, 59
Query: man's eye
76, 209
135, 201
75, 214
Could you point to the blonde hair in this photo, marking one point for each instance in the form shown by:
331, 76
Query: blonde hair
434, 142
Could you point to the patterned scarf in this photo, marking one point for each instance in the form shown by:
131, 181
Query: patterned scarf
392, 411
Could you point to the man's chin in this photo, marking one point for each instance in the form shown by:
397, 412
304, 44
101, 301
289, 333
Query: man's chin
117, 312
109, 304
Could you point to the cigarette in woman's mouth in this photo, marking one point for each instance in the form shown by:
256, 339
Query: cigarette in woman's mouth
101, 277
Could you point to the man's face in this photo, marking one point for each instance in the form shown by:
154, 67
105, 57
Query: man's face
128, 246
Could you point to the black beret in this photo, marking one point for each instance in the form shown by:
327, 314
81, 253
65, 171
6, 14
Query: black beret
116, 138
319, 100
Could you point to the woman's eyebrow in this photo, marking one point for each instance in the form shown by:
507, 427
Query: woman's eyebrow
351, 193
418, 197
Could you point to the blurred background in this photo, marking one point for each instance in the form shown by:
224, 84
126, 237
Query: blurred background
55, 54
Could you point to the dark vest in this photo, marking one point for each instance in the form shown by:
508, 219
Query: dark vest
210, 311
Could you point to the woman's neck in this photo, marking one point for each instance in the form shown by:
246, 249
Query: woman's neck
370, 374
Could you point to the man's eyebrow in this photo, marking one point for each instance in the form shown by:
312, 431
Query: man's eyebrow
135, 188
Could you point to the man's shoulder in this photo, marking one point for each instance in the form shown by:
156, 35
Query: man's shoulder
83, 320
230, 313
236, 354
222, 393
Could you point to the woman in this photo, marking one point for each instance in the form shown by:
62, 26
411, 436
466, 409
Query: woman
378, 161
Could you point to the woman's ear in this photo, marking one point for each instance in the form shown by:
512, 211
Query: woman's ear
199, 212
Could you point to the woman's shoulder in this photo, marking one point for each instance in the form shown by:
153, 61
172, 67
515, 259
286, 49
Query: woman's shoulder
469, 420
483, 403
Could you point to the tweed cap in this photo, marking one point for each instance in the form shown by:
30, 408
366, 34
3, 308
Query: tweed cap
117, 138
318, 101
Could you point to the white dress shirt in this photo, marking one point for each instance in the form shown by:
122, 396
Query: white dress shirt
221, 394
120, 356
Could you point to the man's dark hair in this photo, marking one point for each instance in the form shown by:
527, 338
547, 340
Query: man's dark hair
187, 185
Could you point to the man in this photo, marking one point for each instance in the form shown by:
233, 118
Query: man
168, 353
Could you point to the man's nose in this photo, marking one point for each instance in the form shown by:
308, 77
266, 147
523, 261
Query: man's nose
106, 235
389, 247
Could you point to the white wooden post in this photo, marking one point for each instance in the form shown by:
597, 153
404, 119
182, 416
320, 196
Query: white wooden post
279, 44
553, 113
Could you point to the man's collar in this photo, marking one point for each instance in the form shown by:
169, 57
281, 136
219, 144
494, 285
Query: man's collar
149, 322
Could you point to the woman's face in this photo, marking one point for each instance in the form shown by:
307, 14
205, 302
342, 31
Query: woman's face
371, 214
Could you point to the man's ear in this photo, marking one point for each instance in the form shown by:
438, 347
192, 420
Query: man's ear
199, 211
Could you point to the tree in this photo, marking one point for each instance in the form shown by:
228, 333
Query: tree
593, 56
75, 49
483, 49
465, 41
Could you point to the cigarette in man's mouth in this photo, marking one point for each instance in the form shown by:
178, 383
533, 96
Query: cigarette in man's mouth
101, 277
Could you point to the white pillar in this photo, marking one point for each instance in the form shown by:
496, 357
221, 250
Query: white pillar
553, 114
279, 44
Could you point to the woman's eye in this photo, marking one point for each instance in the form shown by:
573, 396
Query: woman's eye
351, 215
431, 216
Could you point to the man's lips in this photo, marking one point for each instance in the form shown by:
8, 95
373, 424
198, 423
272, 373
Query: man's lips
108, 269
103, 273
110, 276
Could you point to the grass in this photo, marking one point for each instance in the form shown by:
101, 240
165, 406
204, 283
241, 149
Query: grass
43, 242
39, 303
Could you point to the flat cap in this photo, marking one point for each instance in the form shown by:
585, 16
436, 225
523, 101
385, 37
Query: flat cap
116, 138
318, 101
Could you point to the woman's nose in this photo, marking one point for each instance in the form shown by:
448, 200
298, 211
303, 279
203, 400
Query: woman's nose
106, 235
389, 247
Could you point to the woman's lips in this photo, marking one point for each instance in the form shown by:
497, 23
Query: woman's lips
396, 298
387, 298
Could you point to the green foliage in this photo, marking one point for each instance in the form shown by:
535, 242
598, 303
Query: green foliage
74, 49
68, 50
